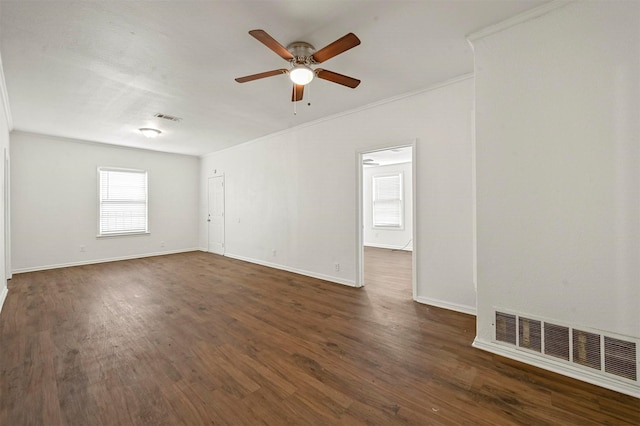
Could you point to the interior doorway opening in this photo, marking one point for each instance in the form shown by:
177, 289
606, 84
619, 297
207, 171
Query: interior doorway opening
386, 220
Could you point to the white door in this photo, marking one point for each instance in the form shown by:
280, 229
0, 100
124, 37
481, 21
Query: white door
216, 215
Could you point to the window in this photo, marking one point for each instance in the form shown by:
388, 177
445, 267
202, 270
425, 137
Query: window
123, 201
387, 201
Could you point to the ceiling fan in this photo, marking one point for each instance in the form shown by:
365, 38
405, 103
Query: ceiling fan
302, 56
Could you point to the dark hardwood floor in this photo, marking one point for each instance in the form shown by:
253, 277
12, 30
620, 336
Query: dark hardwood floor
387, 273
197, 338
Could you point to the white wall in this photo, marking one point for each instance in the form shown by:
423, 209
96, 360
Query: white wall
558, 168
295, 192
388, 238
55, 202
4, 145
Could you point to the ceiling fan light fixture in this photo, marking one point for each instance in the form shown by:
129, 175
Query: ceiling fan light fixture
149, 132
301, 74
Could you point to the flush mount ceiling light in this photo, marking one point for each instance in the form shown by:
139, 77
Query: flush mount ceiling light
301, 74
149, 132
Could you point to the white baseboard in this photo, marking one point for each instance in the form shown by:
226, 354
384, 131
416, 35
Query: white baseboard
350, 283
390, 247
471, 310
3, 296
557, 367
90, 262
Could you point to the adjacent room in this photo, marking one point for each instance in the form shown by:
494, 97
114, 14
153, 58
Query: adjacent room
319, 212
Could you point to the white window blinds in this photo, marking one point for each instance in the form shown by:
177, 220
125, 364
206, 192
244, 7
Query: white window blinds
387, 201
123, 201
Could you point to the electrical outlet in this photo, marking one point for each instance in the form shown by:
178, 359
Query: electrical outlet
274, 252
161, 243
83, 248
337, 267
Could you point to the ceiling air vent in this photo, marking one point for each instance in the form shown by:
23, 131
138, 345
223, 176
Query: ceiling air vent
506, 328
168, 117
556, 341
620, 358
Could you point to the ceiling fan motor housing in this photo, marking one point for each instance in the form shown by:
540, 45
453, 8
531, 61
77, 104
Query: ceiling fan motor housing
301, 52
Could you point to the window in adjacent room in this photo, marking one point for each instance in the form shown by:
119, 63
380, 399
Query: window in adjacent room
388, 204
123, 201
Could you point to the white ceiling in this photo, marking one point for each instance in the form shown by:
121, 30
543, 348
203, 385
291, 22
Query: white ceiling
99, 70
388, 156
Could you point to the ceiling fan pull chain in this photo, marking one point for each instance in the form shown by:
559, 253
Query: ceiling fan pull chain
295, 87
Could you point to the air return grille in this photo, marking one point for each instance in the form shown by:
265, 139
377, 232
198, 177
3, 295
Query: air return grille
620, 358
586, 349
556, 341
606, 354
530, 334
506, 328
168, 117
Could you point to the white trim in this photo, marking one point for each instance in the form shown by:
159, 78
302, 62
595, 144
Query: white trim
470, 310
346, 113
3, 296
518, 19
532, 358
414, 218
359, 279
413, 143
98, 143
5, 97
7, 213
105, 260
323, 277
390, 247
123, 234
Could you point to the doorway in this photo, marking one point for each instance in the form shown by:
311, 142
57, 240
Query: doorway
215, 215
386, 219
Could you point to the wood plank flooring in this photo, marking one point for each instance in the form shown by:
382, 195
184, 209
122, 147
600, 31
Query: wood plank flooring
196, 338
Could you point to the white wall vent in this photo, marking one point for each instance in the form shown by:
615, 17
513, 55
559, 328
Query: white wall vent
586, 349
530, 334
605, 353
506, 328
556, 341
620, 358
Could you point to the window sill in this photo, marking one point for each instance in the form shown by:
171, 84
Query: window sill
123, 234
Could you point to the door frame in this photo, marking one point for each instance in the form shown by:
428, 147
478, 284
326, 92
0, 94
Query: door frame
7, 215
224, 216
360, 212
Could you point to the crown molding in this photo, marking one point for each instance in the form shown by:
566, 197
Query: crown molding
518, 19
346, 113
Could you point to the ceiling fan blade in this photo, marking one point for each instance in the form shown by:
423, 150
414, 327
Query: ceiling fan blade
338, 78
272, 44
261, 75
337, 47
298, 92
